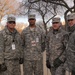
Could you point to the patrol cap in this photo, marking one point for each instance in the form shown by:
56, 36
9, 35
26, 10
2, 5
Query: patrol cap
11, 18
71, 16
56, 19
31, 16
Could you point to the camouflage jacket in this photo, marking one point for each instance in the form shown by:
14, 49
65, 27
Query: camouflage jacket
55, 45
34, 43
70, 50
6, 41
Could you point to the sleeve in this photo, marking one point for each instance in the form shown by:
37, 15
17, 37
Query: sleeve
62, 57
23, 41
71, 47
71, 43
22, 49
23, 38
47, 47
1, 49
43, 37
64, 42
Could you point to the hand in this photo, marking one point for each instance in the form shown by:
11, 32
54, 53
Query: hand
21, 60
48, 64
73, 72
57, 62
3, 67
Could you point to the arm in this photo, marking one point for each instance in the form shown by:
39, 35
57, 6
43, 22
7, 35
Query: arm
23, 38
47, 47
62, 57
43, 41
22, 49
1, 49
64, 42
71, 46
47, 53
3, 66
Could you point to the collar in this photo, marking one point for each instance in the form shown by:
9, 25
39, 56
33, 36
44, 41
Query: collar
71, 29
56, 31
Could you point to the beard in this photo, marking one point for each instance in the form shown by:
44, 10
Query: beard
32, 24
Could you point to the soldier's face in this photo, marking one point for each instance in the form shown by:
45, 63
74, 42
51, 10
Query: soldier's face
71, 22
11, 24
32, 22
56, 25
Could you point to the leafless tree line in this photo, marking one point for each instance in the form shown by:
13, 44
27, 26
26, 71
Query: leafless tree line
46, 9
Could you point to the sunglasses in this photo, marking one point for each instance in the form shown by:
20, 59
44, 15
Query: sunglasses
70, 20
12, 22
55, 22
31, 19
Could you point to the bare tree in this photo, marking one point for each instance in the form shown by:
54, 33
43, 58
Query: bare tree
8, 7
60, 3
45, 10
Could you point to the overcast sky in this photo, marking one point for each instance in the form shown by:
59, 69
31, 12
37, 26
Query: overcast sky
25, 19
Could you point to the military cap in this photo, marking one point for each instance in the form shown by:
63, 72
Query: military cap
31, 16
71, 16
11, 18
56, 19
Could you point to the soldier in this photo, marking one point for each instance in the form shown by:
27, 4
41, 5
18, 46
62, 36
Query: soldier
11, 47
34, 45
70, 50
55, 48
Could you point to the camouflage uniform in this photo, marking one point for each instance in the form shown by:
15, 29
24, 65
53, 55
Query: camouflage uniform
56, 49
70, 49
34, 44
70, 53
7, 55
